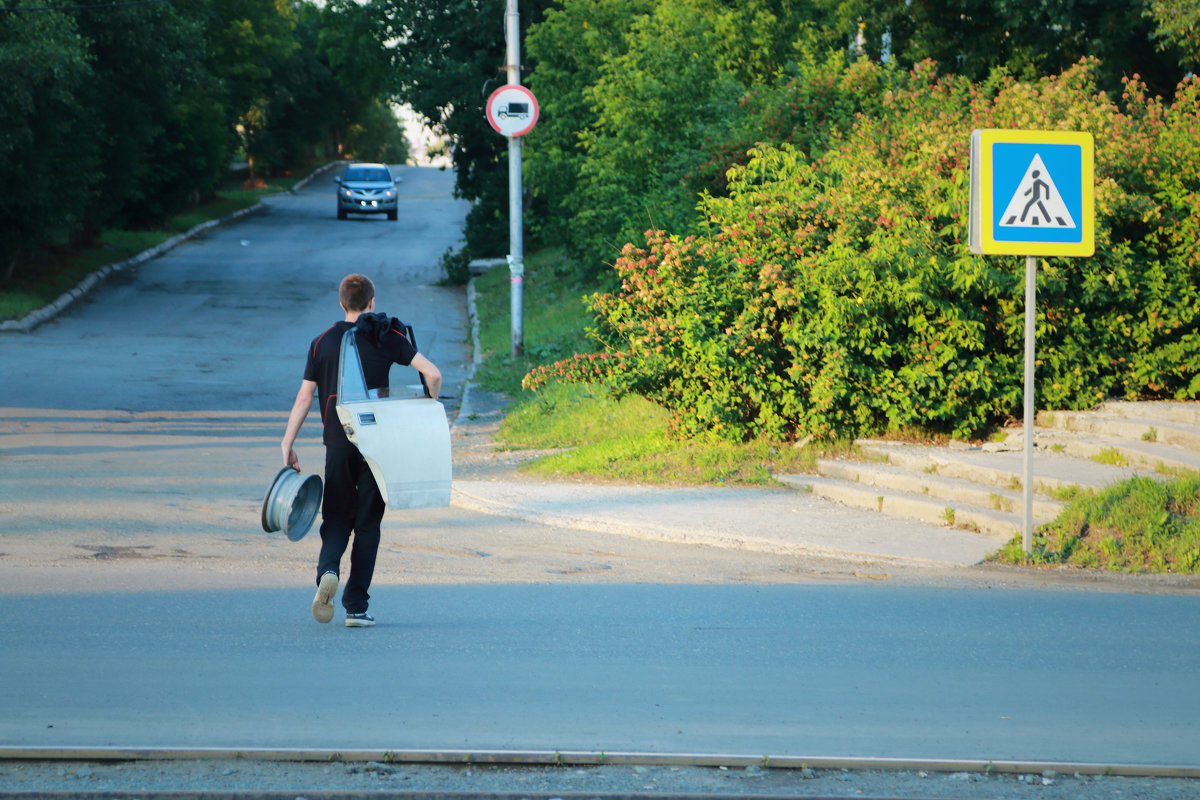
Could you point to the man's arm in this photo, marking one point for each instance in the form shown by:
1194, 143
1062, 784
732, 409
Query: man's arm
300, 409
433, 376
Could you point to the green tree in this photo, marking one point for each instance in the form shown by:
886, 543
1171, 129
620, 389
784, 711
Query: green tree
1178, 26
448, 56
569, 46
329, 93
48, 159
1029, 40
250, 42
144, 125
639, 90
126, 112
359, 65
305, 104
648, 102
378, 136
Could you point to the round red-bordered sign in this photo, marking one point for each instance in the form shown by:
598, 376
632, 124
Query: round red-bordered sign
512, 110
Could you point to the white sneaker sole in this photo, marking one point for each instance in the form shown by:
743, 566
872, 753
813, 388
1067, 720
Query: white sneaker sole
359, 623
322, 606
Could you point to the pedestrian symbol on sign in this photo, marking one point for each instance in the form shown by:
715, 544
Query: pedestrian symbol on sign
1036, 203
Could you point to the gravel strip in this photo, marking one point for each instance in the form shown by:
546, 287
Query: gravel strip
288, 780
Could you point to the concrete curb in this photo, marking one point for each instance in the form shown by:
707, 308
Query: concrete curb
562, 758
316, 172
85, 286
464, 403
465, 499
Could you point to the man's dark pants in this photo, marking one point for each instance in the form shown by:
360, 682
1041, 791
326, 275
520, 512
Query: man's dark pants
352, 504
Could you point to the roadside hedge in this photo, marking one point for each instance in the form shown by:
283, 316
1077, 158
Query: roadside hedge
832, 294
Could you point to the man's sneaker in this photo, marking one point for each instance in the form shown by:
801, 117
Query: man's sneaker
363, 620
323, 603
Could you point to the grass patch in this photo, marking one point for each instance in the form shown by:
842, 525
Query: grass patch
626, 440
1068, 492
1111, 455
41, 279
1000, 502
1138, 525
595, 434
577, 415
553, 327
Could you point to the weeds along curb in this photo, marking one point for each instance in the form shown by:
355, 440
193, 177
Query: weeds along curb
35, 318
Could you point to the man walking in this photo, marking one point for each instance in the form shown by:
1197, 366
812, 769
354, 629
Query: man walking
352, 503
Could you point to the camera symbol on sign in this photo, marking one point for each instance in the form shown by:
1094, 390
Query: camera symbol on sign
514, 111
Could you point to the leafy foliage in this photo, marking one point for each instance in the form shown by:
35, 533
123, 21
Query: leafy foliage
377, 137
143, 127
569, 46
1177, 25
833, 295
43, 126
447, 56
117, 115
1027, 40
638, 86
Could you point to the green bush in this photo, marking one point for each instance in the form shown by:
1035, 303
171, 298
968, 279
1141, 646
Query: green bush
816, 104
455, 266
834, 296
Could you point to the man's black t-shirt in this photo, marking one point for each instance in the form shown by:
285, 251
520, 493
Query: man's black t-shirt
377, 355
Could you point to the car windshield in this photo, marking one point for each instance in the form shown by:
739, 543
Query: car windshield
371, 174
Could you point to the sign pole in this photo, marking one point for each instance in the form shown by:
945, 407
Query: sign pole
516, 253
1030, 317
1032, 194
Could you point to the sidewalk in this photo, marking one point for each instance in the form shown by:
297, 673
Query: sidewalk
780, 520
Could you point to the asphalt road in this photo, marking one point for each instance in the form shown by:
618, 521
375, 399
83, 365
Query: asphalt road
143, 607
835, 670
221, 323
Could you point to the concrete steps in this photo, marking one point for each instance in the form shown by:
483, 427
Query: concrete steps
1145, 442
979, 486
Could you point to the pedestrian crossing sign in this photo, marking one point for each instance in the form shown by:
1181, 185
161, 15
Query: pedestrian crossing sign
1032, 193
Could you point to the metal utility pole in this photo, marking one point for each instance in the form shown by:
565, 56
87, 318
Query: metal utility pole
516, 253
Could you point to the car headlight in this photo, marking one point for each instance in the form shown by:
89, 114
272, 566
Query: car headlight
390, 193
346, 192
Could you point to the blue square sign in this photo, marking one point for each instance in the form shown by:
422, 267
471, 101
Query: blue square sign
1032, 193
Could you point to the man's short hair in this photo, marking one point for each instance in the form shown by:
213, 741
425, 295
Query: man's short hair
356, 292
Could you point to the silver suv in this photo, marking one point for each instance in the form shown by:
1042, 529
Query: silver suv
366, 189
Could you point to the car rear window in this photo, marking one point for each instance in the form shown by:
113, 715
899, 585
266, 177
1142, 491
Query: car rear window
373, 174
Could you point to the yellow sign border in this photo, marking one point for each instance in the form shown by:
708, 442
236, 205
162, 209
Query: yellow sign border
981, 240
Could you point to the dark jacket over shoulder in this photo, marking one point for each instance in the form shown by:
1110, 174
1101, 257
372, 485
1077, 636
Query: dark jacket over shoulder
382, 341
